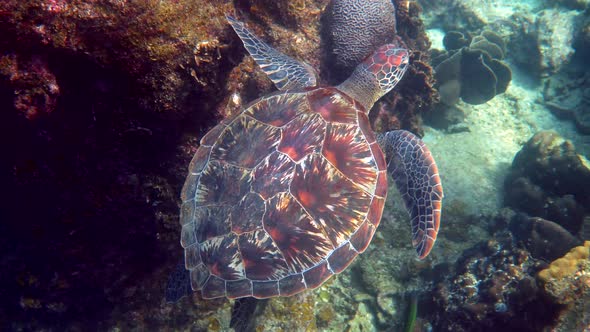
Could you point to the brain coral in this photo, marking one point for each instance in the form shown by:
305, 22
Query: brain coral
359, 27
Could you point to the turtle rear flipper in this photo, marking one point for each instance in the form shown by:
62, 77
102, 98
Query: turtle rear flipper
179, 283
284, 71
244, 313
415, 173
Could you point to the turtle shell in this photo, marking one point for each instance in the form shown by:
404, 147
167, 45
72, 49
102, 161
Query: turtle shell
282, 196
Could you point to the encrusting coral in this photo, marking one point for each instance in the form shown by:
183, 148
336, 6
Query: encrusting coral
567, 282
567, 265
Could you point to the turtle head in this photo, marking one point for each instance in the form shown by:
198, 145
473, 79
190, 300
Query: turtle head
377, 74
387, 65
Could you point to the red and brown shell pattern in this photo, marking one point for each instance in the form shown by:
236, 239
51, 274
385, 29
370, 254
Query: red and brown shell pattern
282, 196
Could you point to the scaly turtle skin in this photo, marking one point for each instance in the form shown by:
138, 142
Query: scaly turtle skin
290, 190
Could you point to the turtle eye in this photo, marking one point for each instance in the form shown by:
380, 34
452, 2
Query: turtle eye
397, 56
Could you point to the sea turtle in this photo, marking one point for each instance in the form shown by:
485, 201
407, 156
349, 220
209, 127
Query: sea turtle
288, 191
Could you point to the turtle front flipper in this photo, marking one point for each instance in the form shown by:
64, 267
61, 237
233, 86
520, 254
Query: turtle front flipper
415, 173
284, 71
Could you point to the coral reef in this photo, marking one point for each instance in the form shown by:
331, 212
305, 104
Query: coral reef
297, 14
534, 41
491, 287
300, 309
473, 73
97, 100
567, 282
496, 284
155, 49
549, 179
102, 106
35, 86
555, 41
